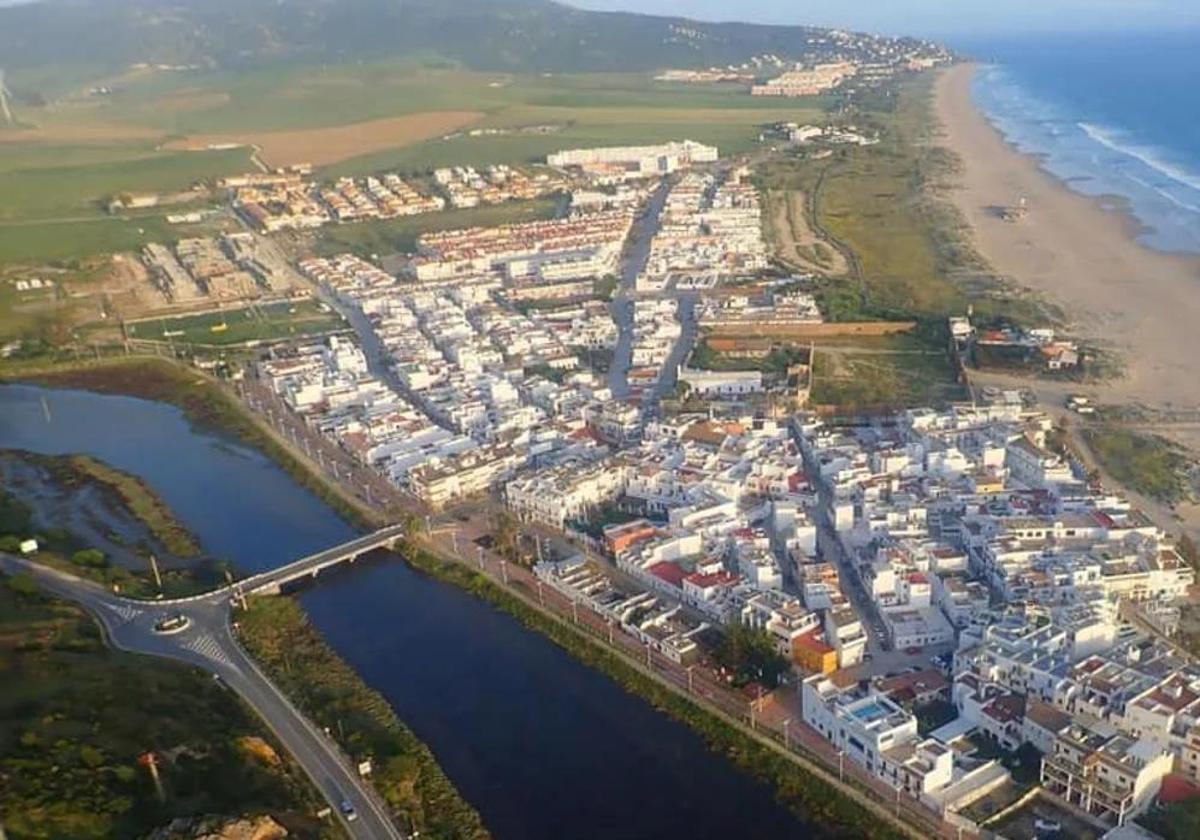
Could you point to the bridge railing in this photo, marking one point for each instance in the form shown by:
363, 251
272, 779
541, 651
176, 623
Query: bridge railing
283, 573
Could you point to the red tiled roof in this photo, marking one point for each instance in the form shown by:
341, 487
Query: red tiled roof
669, 571
710, 580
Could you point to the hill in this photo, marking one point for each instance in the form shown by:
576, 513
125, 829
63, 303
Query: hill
77, 39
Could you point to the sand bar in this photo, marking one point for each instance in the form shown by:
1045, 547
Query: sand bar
1080, 253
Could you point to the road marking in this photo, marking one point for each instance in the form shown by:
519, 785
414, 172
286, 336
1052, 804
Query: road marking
128, 612
210, 648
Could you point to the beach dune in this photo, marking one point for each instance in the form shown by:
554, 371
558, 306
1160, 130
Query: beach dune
1080, 253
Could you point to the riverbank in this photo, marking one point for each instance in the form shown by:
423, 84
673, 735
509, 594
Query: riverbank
1080, 253
278, 635
203, 401
100, 523
835, 811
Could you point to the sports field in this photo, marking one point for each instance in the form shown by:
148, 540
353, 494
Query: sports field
266, 322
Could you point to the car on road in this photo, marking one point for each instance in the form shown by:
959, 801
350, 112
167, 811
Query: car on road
172, 624
348, 811
1044, 826
912, 651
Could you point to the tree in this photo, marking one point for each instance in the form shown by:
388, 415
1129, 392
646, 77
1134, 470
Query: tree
751, 656
92, 558
507, 535
23, 585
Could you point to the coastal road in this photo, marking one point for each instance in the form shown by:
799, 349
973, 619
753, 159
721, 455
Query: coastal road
207, 642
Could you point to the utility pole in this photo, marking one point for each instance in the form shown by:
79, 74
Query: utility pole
575, 611
787, 722
689, 673
157, 576
504, 571
150, 760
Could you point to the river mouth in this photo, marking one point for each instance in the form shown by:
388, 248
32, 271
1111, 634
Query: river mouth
541, 745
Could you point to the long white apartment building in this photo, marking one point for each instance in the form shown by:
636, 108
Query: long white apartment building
636, 161
578, 246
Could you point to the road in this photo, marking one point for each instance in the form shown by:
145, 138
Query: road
208, 642
636, 253
668, 377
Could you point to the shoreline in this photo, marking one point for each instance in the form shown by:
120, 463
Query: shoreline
1079, 252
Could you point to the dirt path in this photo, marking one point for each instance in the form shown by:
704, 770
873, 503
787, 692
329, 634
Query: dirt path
794, 239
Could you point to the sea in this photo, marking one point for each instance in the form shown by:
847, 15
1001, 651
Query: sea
1109, 115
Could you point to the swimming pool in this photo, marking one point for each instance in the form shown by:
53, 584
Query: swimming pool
870, 712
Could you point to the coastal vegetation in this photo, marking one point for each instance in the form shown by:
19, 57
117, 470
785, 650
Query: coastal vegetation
76, 720
277, 633
1146, 463
829, 811
141, 500
885, 205
130, 499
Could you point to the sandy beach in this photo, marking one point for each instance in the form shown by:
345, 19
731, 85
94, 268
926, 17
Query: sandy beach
1080, 253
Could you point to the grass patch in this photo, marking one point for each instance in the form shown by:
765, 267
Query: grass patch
887, 204
1144, 463
888, 372
277, 633
75, 717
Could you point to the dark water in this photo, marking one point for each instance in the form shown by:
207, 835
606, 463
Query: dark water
543, 746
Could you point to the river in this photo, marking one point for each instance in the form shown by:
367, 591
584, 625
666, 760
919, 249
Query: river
543, 746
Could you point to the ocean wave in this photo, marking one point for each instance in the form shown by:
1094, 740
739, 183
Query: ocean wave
1151, 158
1178, 202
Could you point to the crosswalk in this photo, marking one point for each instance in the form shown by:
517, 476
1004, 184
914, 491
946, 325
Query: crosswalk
127, 612
209, 648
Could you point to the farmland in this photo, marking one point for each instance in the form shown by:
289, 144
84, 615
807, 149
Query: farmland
63, 163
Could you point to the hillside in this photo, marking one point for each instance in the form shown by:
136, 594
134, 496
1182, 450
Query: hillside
52, 40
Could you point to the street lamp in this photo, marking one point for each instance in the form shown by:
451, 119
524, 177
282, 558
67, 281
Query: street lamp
787, 722
689, 673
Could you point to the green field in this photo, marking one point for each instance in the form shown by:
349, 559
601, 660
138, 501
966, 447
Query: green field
52, 197
289, 97
265, 322
52, 191
898, 371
